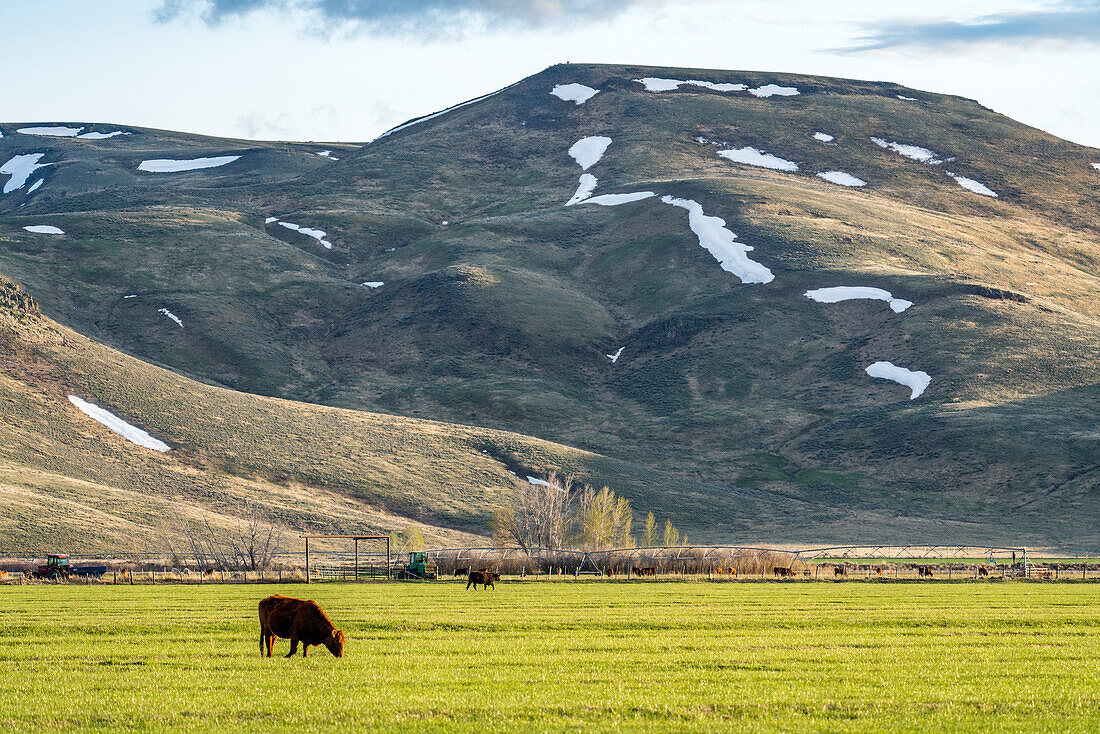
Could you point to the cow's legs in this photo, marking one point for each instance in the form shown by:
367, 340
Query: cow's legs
263, 641
305, 650
468, 586
271, 644
293, 647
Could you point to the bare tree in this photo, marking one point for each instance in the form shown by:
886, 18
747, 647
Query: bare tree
540, 517
251, 546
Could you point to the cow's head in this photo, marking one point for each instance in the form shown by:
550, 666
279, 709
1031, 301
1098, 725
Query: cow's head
335, 643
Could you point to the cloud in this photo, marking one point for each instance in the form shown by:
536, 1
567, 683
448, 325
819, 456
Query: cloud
400, 17
1067, 22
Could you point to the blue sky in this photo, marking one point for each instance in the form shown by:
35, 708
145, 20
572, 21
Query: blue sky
331, 70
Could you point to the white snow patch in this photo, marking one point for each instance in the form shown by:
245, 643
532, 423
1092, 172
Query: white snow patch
44, 229
584, 190
616, 199
171, 315
841, 178
317, 234
133, 434
839, 293
20, 169
574, 92
444, 222
373, 284
327, 154
915, 152
657, 84
971, 185
102, 136
269, 220
169, 165
538, 482
823, 137
53, 131
615, 357
773, 90
1096, 166
719, 241
391, 249
35, 186
916, 381
753, 157
588, 151
425, 118
133, 296
907, 99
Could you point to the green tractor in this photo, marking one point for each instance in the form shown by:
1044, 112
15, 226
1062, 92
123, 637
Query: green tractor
417, 568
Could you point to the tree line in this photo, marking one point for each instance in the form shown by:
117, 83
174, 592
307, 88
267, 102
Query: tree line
558, 513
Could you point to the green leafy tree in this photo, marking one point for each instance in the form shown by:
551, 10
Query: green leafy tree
648, 538
671, 536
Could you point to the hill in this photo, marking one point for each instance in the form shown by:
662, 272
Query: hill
498, 305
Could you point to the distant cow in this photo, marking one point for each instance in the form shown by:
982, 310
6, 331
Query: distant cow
923, 571
485, 578
840, 571
298, 620
982, 571
782, 572
647, 571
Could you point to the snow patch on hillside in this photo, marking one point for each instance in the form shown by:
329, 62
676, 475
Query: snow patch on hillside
317, 234
20, 168
579, 93
657, 84
53, 131
170, 165
327, 154
971, 185
538, 482
753, 157
773, 90
44, 229
269, 220
839, 293
584, 190
588, 151
102, 136
1096, 166
170, 315
719, 242
915, 152
907, 99
131, 433
35, 186
373, 284
616, 199
916, 381
823, 137
841, 178
615, 357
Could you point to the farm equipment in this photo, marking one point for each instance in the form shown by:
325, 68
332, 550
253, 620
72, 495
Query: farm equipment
58, 567
417, 567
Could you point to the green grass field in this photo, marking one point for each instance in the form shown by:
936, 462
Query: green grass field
557, 656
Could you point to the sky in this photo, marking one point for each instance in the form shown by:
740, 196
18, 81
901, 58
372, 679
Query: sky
346, 70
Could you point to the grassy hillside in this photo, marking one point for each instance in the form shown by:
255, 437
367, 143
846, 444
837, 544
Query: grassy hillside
499, 304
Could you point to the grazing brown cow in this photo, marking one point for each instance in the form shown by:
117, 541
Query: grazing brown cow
647, 571
485, 578
298, 620
982, 571
840, 571
782, 572
923, 571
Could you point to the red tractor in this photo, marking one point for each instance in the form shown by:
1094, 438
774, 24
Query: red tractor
58, 567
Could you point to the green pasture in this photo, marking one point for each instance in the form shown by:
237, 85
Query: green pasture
560, 656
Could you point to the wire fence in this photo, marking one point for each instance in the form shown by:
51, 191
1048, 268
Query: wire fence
712, 562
